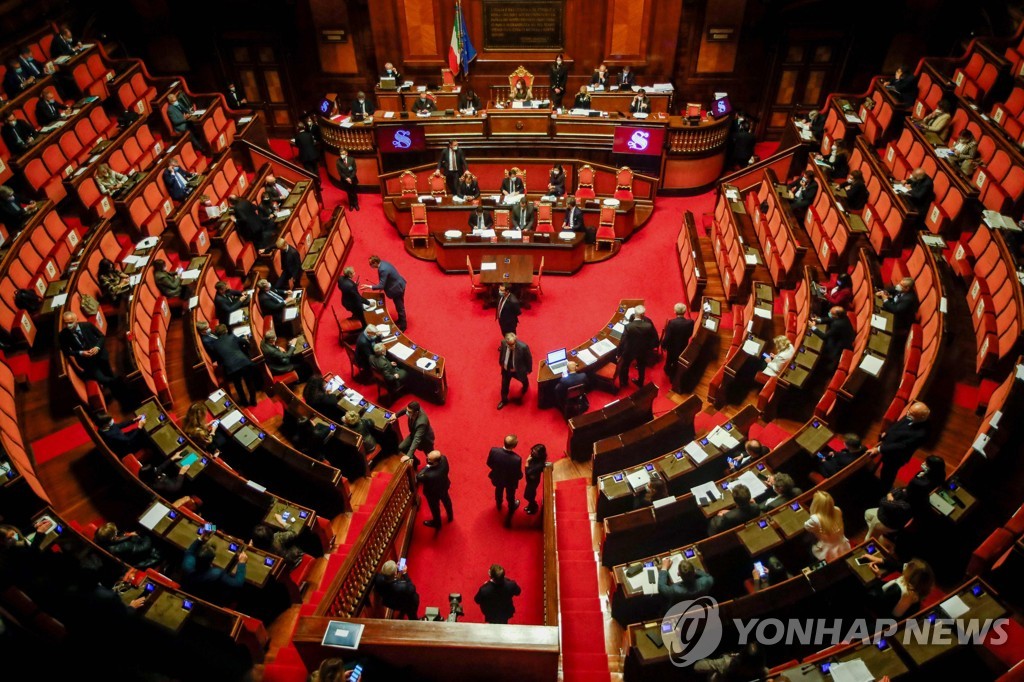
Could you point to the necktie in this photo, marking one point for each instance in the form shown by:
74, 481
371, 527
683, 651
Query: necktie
451, 160
509, 361
501, 306
362, 107
80, 336
17, 136
480, 222
276, 297
522, 217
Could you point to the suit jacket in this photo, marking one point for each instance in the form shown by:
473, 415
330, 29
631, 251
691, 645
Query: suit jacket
368, 106
306, 144
495, 600
524, 217
599, 78
382, 364
347, 170
398, 594
272, 305
558, 182
227, 303
856, 196
351, 299
205, 581
677, 592
574, 219
176, 183
513, 186
467, 102
903, 306
506, 467
234, 99
61, 47
639, 338
421, 433
678, 331
901, 441
507, 311
364, 349
567, 382
291, 263
434, 479
467, 190
582, 101
169, 283
640, 106
278, 361
921, 194
389, 281
229, 354
85, 337
15, 82
31, 66
392, 73
17, 137
732, 518
522, 361
806, 196
627, 79
559, 76
905, 87
474, 220
252, 225
770, 499
444, 162
838, 336
48, 112
743, 142
176, 115
423, 104
13, 215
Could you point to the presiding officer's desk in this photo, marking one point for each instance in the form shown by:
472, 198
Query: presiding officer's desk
560, 256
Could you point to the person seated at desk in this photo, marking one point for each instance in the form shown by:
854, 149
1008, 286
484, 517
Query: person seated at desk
838, 335
282, 361
601, 78
16, 79
816, 123
393, 375
656, 489
837, 164
573, 377
480, 219
362, 105
64, 44
469, 101
179, 113
48, 109
935, 125
14, 211
391, 72
903, 595
640, 103
574, 221
781, 489
965, 152
364, 427
556, 181
467, 187
891, 515
169, 283
274, 189
200, 577
119, 441
423, 105
903, 86
167, 485
524, 215
752, 449
30, 64
200, 431
177, 180
364, 347
693, 582
627, 78
582, 100
856, 191
919, 190
744, 511
521, 93
114, 283
315, 394
273, 302
109, 180
803, 190
559, 76
133, 549
831, 462
779, 360
512, 184
280, 542
839, 294
901, 301
228, 300
254, 226
18, 134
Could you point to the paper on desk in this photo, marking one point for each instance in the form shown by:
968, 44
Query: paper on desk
283, 213
257, 486
236, 316
586, 356
878, 322
709, 323
488, 266
941, 506
291, 313
750, 259
603, 346
153, 516
244, 120
753, 483
619, 327
230, 419
190, 276
955, 606
694, 450
766, 313
639, 478
217, 395
751, 347
59, 299
708, 490
732, 194
646, 580
851, 671
981, 442
134, 279
723, 438
871, 364
400, 351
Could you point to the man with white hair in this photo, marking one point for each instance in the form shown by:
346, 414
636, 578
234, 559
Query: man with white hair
516, 363
364, 346
676, 337
393, 375
638, 340
273, 302
396, 591
282, 361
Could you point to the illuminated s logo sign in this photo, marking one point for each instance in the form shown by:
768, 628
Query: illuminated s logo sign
639, 140
692, 630
325, 106
402, 139
720, 107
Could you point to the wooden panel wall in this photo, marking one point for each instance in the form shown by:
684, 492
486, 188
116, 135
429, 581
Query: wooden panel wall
335, 58
720, 57
419, 24
628, 30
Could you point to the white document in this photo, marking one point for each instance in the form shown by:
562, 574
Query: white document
291, 313
257, 486
708, 490
59, 299
955, 606
851, 671
190, 276
602, 347
878, 322
619, 327
750, 259
646, 580
723, 438
586, 356
141, 260
217, 395
696, 453
710, 323
244, 120
755, 484
231, 418
400, 351
751, 347
283, 213
134, 279
941, 506
488, 266
673, 570
236, 317
871, 364
639, 479
766, 313
980, 443
241, 331
853, 118
153, 516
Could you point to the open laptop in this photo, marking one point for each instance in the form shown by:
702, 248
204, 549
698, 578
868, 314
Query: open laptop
388, 84
557, 361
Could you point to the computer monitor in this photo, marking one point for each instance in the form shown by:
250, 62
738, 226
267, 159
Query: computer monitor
721, 107
556, 356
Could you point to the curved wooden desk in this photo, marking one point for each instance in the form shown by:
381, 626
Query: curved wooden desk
431, 384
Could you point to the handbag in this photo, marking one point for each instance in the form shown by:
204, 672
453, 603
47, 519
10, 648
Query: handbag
90, 306
27, 299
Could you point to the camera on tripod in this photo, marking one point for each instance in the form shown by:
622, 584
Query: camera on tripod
433, 613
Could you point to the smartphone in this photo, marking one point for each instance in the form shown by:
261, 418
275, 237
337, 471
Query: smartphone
357, 673
731, 461
766, 356
761, 570
172, 514
821, 456
863, 561
402, 565
333, 427
666, 628
725, 485
286, 515
679, 454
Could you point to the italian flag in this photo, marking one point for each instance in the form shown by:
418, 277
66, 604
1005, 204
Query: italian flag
460, 51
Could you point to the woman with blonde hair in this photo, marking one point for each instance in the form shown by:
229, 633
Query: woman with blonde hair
109, 180
777, 361
196, 428
826, 525
904, 594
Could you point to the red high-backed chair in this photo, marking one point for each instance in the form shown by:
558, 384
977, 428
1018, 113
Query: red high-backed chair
407, 181
544, 218
419, 230
438, 188
606, 227
585, 183
624, 184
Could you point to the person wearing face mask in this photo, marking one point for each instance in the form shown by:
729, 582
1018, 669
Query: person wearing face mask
627, 78
16, 79
390, 71
363, 105
309, 152
901, 301
14, 211
899, 443
346, 167
18, 134
48, 109
804, 190
903, 85
29, 64
469, 101
176, 180
84, 342
236, 100
601, 78
423, 105
559, 77
64, 44
919, 190
838, 334
452, 163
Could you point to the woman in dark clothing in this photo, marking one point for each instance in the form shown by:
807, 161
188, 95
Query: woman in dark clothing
535, 465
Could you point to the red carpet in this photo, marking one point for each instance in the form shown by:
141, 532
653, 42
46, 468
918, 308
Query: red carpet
56, 444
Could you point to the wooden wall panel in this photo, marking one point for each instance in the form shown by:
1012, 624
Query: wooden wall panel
335, 58
720, 57
628, 30
420, 26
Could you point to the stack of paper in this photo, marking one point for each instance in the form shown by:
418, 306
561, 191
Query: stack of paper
722, 438
708, 490
753, 483
488, 266
878, 322
696, 452
586, 357
639, 479
851, 671
955, 607
603, 346
400, 351
871, 364
230, 419
751, 347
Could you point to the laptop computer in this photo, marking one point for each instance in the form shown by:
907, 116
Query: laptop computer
388, 84
557, 361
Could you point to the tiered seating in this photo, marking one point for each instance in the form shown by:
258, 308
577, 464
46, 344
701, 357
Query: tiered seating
1000, 173
751, 322
691, 261
728, 248
137, 93
323, 266
977, 78
143, 148
15, 450
931, 88
779, 246
927, 333
222, 180
1009, 115
149, 318
836, 128
879, 120
827, 226
92, 74
797, 312
883, 214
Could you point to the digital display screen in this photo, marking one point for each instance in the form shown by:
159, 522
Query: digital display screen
402, 139
633, 140
721, 107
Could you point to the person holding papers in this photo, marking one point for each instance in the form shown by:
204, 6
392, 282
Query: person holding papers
228, 300
627, 78
362, 106
169, 283
639, 339
467, 187
582, 100
516, 363
64, 44
693, 582
273, 302
469, 101
255, 225
640, 103
392, 284
480, 219
512, 184
351, 299
524, 215
234, 362
114, 283
573, 217
745, 510
291, 266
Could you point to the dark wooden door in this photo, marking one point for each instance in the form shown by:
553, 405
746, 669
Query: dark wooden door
261, 72
806, 70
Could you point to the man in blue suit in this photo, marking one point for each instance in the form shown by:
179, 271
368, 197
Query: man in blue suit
176, 180
392, 284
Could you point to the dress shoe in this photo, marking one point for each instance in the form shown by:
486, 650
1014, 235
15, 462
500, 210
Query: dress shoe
512, 509
451, 518
636, 381
499, 506
501, 404
432, 524
531, 509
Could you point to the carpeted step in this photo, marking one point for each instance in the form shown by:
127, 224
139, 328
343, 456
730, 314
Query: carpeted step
582, 634
576, 554
584, 661
571, 483
276, 672
588, 604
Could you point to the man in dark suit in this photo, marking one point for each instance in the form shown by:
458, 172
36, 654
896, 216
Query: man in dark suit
744, 511
364, 346
362, 105
571, 379
391, 72
282, 361
559, 78
423, 104
273, 302
48, 109
627, 78
291, 266
393, 286
903, 85
30, 64
351, 299
421, 433
513, 184
920, 190
743, 143
638, 340
516, 362
467, 187
507, 311
176, 180
177, 114
495, 596
396, 591
781, 489
235, 363
121, 442
901, 301
253, 224
524, 215
480, 219
228, 300
506, 469
838, 335
14, 211
435, 483
202, 578
309, 152
640, 103
452, 163
16, 79
573, 216
676, 337
64, 44
236, 100
804, 189
18, 135
601, 77
83, 342
346, 167
898, 444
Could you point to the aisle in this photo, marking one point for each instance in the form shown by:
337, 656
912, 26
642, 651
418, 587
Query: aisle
444, 317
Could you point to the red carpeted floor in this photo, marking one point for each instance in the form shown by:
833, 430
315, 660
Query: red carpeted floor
444, 317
